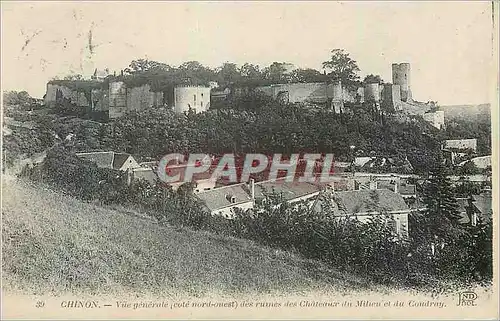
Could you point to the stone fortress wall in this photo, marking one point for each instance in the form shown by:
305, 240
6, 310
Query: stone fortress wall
118, 98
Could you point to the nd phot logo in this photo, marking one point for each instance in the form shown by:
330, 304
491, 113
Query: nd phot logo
467, 298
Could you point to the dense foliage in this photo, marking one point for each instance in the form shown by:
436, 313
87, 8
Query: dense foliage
438, 247
372, 249
465, 129
274, 128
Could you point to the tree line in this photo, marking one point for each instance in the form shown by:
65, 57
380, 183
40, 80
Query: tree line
162, 76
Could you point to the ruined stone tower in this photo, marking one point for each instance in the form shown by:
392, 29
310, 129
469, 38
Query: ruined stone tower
401, 77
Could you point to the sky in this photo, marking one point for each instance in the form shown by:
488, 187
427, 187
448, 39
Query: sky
448, 44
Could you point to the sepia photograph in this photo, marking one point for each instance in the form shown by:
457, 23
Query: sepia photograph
249, 160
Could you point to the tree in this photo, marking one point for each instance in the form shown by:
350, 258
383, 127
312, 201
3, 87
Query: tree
307, 75
138, 65
373, 79
227, 74
74, 77
195, 73
142, 65
469, 168
250, 71
441, 214
21, 98
277, 73
342, 67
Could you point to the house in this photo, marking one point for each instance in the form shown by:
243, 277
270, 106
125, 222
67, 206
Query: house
341, 167
384, 164
481, 162
290, 191
364, 204
222, 200
144, 173
203, 181
401, 187
475, 207
460, 144
219, 94
111, 160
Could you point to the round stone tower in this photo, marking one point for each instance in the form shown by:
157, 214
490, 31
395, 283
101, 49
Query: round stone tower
401, 77
195, 97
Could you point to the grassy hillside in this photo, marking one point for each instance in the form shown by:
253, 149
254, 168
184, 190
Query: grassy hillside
54, 243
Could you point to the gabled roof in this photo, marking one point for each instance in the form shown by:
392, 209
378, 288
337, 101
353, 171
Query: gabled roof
101, 159
483, 204
407, 189
219, 198
147, 174
288, 190
109, 160
403, 189
119, 160
365, 201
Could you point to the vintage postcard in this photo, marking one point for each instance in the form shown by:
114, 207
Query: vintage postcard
249, 160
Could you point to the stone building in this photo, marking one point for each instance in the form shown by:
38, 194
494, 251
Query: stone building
435, 118
194, 97
401, 77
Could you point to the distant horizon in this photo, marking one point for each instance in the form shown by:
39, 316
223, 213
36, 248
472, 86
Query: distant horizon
450, 50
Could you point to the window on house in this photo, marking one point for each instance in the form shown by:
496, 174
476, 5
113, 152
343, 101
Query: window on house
394, 225
201, 103
474, 219
194, 98
230, 198
201, 95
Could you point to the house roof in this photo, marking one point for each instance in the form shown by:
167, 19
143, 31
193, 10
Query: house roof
484, 205
361, 161
220, 198
109, 159
147, 174
480, 162
378, 161
363, 201
403, 189
342, 164
119, 160
407, 189
101, 159
288, 190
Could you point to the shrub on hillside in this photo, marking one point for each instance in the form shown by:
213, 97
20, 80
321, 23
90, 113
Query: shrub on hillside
370, 248
84, 180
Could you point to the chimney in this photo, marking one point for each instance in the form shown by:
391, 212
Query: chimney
130, 174
252, 189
